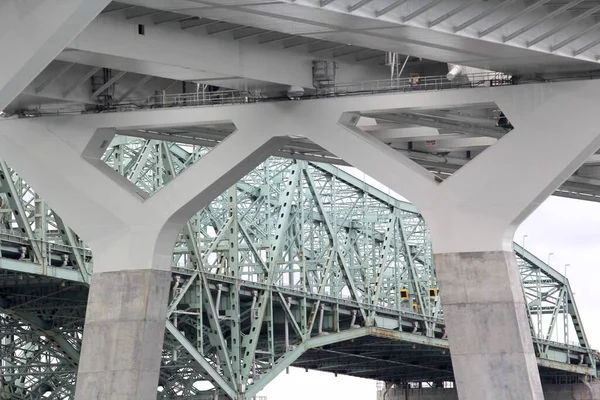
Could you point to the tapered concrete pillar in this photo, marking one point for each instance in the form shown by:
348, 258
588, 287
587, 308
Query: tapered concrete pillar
473, 214
485, 316
124, 333
131, 237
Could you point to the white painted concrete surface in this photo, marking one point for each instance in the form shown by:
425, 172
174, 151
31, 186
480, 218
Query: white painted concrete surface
32, 33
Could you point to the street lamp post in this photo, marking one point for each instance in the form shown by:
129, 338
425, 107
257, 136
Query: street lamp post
524, 237
549, 255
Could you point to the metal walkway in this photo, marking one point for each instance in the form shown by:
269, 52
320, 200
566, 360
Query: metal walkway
299, 264
223, 97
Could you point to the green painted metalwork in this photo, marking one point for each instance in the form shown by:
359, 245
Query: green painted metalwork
298, 264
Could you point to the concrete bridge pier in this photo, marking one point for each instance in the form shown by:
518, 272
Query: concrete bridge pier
131, 235
473, 215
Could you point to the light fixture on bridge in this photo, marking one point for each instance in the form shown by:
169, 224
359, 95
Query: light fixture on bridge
404, 294
455, 71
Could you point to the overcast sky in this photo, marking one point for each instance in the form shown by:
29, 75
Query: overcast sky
568, 228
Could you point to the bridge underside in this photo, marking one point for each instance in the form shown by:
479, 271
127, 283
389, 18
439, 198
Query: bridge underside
43, 321
393, 360
298, 263
317, 309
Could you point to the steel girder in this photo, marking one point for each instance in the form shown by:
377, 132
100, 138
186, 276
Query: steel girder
298, 264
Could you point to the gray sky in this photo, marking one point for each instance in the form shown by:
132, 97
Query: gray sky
571, 230
568, 228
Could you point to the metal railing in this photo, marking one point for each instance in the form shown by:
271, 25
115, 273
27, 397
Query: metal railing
229, 97
197, 99
419, 83
411, 84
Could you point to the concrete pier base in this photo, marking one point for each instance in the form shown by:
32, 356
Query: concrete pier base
486, 322
123, 335
579, 391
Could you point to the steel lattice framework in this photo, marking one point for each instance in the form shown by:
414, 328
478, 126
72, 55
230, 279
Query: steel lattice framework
298, 264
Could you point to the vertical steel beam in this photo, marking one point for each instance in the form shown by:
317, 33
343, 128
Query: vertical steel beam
7, 185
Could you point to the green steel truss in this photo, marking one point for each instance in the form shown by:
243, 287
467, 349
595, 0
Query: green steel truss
299, 264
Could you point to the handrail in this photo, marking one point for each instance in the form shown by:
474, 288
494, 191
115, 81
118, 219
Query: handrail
231, 97
438, 82
410, 84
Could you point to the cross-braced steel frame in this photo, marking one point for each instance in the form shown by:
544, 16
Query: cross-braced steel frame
298, 264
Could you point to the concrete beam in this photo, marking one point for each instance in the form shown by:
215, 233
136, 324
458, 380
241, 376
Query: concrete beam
589, 171
552, 95
167, 51
32, 33
133, 65
430, 35
443, 145
52, 90
32, 146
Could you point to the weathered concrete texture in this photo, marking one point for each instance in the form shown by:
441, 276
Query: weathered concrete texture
551, 392
123, 335
578, 391
486, 322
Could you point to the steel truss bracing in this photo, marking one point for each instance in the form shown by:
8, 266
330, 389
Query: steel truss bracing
298, 264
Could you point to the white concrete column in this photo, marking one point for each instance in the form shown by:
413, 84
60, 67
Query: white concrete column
131, 238
473, 214
33, 33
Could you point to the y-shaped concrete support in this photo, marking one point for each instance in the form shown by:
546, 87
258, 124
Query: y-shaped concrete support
472, 217
132, 237
32, 33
